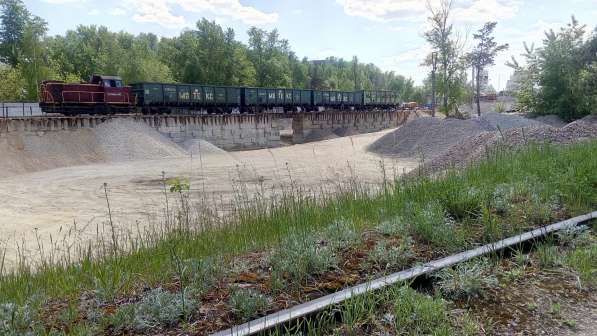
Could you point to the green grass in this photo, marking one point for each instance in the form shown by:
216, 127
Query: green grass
447, 213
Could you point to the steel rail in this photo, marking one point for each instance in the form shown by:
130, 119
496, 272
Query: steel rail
270, 321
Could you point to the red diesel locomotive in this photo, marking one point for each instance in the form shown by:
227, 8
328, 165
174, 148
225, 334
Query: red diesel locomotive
102, 95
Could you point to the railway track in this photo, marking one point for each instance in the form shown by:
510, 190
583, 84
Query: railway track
286, 316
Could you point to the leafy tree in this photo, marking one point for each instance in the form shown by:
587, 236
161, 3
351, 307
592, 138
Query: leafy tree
483, 55
11, 84
14, 18
561, 76
448, 47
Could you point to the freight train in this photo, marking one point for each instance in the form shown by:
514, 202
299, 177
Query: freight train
109, 95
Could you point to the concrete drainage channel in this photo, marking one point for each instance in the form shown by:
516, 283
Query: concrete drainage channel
287, 315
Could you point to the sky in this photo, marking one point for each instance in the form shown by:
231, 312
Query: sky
388, 33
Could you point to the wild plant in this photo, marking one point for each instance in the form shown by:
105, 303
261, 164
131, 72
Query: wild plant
432, 224
16, 320
385, 256
583, 260
300, 256
393, 227
466, 280
201, 274
548, 255
524, 200
108, 283
418, 314
341, 235
247, 303
157, 308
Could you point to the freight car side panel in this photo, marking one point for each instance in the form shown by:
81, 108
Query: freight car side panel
209, 95
307, 97
251, 96
149, 93
271, 96
197, 95
318, 98
296, 97
233, 96
184, 94
170, 94
288, 97
358, 98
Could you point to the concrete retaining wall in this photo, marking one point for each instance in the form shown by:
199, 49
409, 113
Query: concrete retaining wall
359, 121
229, 132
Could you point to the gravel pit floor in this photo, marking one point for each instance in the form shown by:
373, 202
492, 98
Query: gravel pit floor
51, 202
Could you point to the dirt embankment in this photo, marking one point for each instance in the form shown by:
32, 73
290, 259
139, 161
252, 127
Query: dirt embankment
427, 138
114, 141
453, 142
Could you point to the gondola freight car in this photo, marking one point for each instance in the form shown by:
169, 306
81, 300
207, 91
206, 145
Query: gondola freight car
108, 94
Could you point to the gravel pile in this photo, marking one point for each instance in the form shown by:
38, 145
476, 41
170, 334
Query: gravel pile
502, 121
129, 140
426, 137
551, 120
113, 141
475, 148
198, 146
430, 137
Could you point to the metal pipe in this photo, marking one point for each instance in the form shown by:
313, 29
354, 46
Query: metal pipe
307, 308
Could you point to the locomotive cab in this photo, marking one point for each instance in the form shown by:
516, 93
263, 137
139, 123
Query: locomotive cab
107, 81
102, 94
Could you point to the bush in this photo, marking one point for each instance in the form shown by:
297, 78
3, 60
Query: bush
466, 280
341, 235
418, 314
300, 256
17, 320
432, 224
393, 227
157, 308
247, 303
383, 256
202, 274
584, 261
523, 201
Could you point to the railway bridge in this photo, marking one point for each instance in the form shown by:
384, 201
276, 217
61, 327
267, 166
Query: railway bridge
230, 132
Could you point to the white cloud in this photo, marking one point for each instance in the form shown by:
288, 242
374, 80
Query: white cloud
383, 10
62, 1
94, 12
161, 11
416, 10
117, 12
156, 12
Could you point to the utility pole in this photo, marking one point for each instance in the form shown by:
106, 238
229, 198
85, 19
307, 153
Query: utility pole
434, 68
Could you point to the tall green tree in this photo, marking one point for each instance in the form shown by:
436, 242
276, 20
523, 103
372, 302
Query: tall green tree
560, 77
483, 55
14, 19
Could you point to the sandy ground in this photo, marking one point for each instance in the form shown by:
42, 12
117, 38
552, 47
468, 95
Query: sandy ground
50, 202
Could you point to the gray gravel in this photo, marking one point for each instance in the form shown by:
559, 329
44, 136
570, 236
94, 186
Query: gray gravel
428, 138
475, 148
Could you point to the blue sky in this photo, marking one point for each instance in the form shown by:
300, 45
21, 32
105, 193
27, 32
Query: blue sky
388, 33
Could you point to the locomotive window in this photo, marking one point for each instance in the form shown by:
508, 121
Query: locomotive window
112, 83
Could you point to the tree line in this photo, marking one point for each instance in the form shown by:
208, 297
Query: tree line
207, 54
559, 77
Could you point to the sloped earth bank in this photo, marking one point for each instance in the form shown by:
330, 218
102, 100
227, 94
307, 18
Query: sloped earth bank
427, 138
116, 140
471, 149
